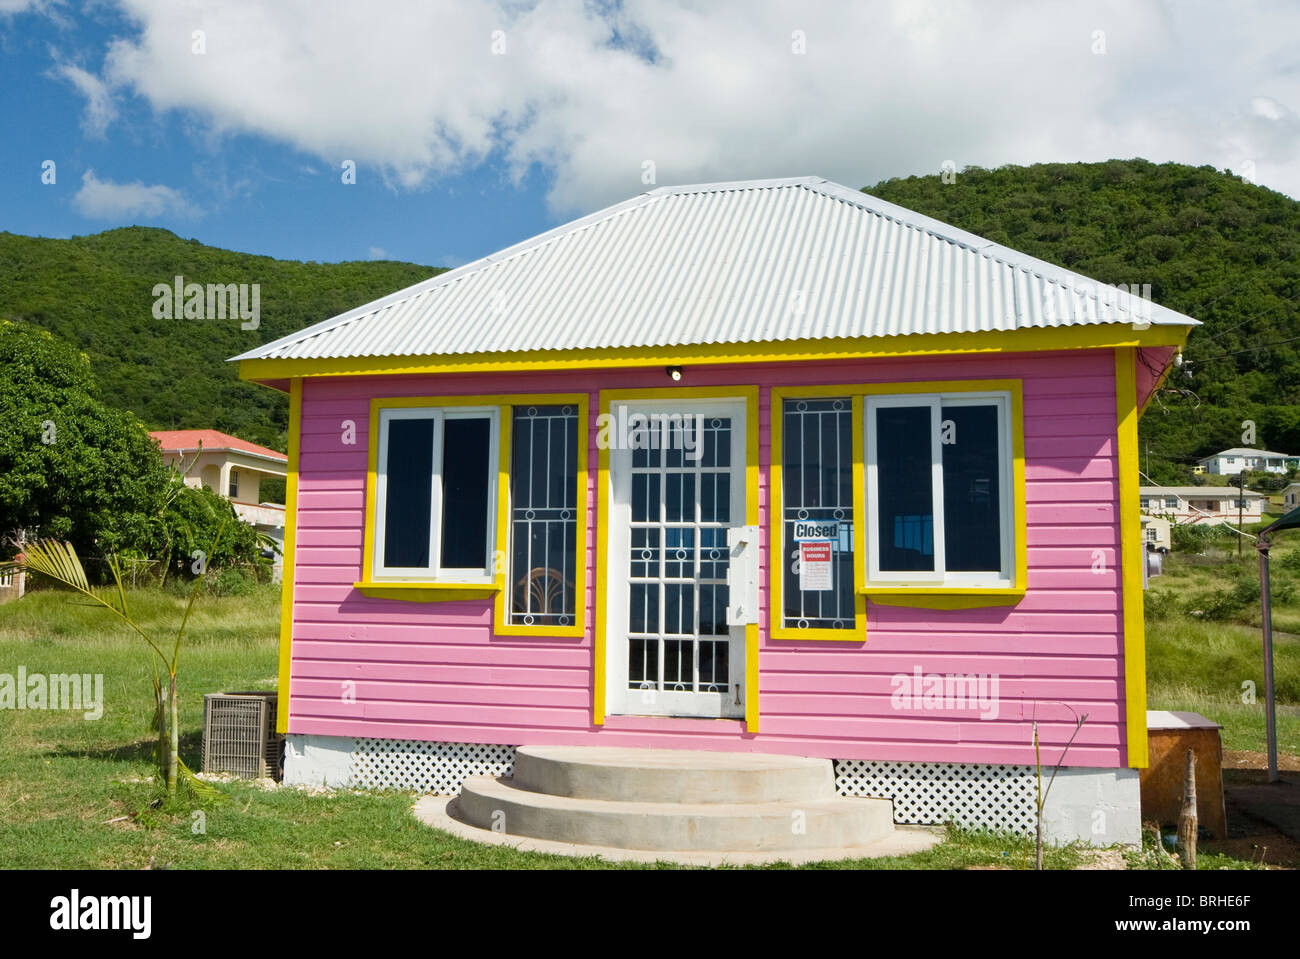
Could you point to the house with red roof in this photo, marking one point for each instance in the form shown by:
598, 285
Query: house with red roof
234, 468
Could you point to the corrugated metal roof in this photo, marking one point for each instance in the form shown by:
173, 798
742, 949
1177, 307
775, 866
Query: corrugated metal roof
746, 262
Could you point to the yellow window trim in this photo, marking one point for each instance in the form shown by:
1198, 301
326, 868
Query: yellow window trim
776, 558
1107, 336
1131, 558
449, 591
287, 567
607, 397
427, 592
924, 597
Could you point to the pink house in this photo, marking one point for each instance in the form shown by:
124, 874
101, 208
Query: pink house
766, 466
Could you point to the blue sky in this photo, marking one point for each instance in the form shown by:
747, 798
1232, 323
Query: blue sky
475, 124
245, 192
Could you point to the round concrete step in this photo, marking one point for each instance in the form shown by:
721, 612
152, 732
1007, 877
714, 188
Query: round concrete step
671, 775
499, 805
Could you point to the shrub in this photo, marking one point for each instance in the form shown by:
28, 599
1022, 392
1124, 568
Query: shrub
1219, 606
1160, 604
1196, 538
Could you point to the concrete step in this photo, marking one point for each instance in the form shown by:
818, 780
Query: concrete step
671, 775
503, 806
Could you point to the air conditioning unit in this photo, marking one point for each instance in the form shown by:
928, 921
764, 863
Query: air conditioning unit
239, 735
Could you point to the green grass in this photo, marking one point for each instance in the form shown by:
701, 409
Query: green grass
1204, 641
63, 778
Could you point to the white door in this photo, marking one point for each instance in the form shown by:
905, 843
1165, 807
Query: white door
677, 477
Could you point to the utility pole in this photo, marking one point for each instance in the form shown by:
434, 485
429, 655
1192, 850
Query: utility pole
1241, 502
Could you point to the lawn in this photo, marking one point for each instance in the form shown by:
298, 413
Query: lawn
1204, 648
78, 793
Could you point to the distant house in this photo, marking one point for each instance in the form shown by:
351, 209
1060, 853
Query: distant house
1291, 497
1155, 533
1233, 461
232, 467
1206, 505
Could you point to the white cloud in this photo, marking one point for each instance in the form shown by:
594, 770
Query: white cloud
100, 108
412, 90
378, 253
106, 200
10, 7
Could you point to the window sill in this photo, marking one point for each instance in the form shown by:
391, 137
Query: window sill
427, 592
944, 597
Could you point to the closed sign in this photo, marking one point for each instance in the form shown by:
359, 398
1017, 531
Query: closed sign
816, 529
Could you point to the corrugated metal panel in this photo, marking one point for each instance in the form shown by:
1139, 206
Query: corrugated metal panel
749, 262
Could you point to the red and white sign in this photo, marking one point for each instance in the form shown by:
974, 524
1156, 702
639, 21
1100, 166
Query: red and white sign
815, 566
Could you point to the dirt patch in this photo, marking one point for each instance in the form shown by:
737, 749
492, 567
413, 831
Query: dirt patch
1250, 760
1103, 859
1263, 817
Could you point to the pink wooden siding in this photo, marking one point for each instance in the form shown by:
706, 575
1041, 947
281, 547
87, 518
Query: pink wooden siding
436, 671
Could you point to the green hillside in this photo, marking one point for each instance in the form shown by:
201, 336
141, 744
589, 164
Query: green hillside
97, 292
1211, 245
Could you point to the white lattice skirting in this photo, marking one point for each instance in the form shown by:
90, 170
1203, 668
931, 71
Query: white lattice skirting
437, 768
998, 798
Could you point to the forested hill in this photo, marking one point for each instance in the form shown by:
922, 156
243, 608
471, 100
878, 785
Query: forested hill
97, 292
1211, 245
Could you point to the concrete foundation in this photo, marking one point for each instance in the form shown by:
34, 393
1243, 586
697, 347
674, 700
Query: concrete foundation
1098, 806
318, 760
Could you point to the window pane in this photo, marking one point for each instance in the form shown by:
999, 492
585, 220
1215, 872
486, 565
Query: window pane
544, 515
465, 486
972, 494
407, 508
905, 517
817, 486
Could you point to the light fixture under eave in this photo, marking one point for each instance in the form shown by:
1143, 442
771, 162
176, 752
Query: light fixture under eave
674, 373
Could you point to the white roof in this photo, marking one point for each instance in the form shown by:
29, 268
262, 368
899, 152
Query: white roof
744, 262
1239, 451
1197, 492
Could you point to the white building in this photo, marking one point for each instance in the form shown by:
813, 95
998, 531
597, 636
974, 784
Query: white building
1208, 505
234, 468
1291, 497
1233, 461
1155, 533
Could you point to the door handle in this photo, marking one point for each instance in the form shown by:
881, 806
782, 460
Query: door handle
737, 694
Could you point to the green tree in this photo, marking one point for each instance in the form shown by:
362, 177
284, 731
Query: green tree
71, 467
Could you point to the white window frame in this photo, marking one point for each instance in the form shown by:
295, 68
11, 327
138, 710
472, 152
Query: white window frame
940, 576
435, 572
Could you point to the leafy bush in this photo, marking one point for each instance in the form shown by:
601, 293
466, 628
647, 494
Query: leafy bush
1196, 538
1160, 604
235, 581
200, 521
1220, 606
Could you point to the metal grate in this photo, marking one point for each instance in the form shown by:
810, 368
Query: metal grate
680, 511
424, 767
817, 480
239, 734
544, 515
977, 796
